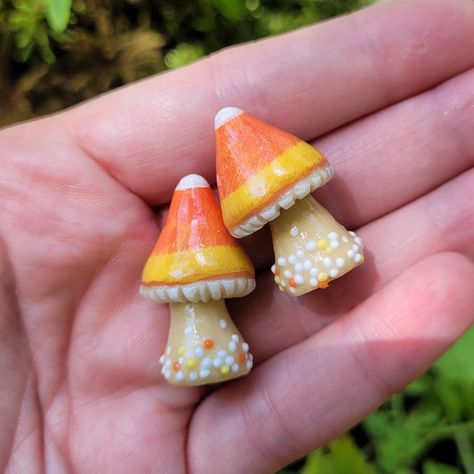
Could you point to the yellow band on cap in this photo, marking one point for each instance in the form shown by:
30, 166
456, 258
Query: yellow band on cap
268, 184
196, 264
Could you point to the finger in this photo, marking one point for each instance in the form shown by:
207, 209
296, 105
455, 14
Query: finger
438, 222
314, 391
309, 82
392, 157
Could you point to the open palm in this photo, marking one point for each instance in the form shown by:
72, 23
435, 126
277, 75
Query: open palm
390, 91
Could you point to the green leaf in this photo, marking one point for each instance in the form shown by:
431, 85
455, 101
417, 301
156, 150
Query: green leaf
433, 467
341, 456
58, 13
183, 54
458, 362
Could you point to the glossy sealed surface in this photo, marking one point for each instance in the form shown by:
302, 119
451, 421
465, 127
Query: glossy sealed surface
311, 248
256, 163
203, 346
194, 244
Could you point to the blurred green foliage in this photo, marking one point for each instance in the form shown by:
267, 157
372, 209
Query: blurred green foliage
55, 53
428, 428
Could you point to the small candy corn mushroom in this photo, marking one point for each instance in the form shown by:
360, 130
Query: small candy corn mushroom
266, 175
194, 265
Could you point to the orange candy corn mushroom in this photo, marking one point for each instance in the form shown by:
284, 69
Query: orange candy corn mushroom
266, 175
194, 266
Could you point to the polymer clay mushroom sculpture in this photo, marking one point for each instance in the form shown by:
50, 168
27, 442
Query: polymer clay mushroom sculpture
194, 266
265, 174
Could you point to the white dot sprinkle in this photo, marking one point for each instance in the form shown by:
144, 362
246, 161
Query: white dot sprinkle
300, 253
235, 368
355, 247
181, 360
167, 374
292, 259
352, 233
340, 262
168, 362
235, 338
229, 360
162, 359
351, 253
299, 280
333, 272
179, 375
273, 268
292, 290
358, 241
206, 362
163, 370
232, 346
314, 272
294, 231
168, 350
333, 236
327, 262
298, 267
193, 375
217, 362
357, 258
249, 364
223, 323
345, 240
287, 274
203, 373
188, 330
334, 244
245, 347
222, 354
199, 352
311, 245
281, 261
307, 264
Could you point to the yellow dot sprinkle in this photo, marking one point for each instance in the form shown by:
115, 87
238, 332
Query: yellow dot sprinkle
181, 350
323, 277
323, 243
277, 280
191, 363
329, 250
225, 369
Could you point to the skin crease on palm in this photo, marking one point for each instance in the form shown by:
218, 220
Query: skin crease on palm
389, 92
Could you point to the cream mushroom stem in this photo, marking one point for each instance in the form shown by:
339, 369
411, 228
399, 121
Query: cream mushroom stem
204, 346
311, 248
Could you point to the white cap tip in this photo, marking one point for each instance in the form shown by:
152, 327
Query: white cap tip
226, 114
192, 181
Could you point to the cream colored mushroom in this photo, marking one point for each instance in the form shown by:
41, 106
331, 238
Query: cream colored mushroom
194, 266
266, 175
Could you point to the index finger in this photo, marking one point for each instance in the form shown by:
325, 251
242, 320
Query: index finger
307, 82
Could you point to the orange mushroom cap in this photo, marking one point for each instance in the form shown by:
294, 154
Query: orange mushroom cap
195, 258
260, 169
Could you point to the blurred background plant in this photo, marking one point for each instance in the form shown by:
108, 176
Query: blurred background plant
56, 53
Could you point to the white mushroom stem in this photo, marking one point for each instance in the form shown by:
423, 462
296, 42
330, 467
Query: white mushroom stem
204, 346
311, 248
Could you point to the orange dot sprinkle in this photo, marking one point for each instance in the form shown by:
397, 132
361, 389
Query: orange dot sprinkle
277, 272
323, 284
242, 357
208, 344
176, 366
292, 283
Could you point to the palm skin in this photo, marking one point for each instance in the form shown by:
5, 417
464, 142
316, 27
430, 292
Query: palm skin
81, 387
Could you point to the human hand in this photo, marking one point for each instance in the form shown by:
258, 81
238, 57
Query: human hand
390, 91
